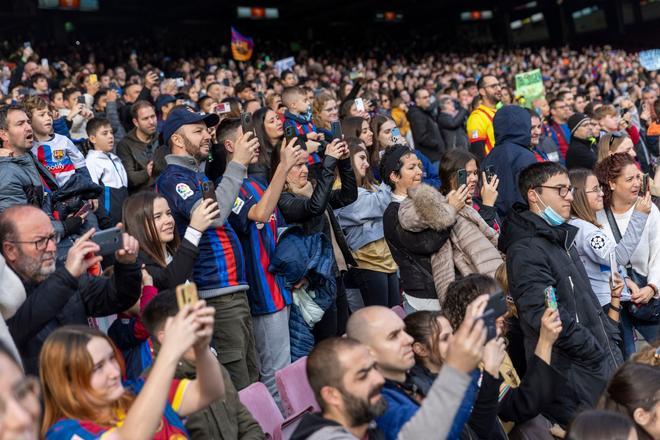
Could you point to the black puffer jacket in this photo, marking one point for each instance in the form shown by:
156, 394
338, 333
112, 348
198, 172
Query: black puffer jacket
412, 252
309, 212
62, 300
426, 133
538, 256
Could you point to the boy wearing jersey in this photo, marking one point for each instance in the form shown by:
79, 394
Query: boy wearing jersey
480, 122
256, 220
56, 152
220, 267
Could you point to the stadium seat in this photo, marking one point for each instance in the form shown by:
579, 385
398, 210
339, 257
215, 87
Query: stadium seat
295, 393
399, 311
263, 408
261, 405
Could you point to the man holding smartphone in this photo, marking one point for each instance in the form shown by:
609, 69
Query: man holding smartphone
541, 254
67, 295
219, 271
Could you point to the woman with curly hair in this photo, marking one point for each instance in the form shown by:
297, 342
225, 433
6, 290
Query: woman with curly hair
621, 182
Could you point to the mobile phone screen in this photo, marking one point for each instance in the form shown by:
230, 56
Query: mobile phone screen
550, 298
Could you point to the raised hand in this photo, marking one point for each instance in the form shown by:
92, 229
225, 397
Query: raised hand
467, 344
79, 258
204, 214
489, 190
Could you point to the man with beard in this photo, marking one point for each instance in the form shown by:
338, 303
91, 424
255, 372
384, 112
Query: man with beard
65, 295
359, 382
220, 266
480, 122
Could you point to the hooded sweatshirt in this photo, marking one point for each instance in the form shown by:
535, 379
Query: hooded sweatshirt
513, 135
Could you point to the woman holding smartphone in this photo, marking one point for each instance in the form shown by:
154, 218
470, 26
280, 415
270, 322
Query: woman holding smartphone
593, 244
621, 182
362, 222
85, 397
461, 164
169, 260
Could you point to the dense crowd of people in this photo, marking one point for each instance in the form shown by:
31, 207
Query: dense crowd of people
451, 258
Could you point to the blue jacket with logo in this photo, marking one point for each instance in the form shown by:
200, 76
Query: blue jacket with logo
220, 265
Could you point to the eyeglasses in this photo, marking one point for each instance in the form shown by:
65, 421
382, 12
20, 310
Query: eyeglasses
595, 189
562, 190
21, 392
40, 244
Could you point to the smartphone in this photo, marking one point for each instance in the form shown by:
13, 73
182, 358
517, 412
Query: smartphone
645, 185
335, 128
180, 82
396, 133
461, 177
614, 268
93, 78
27, 44
490, 172
246, 122
495, 308
81, 99
186, 294
289, 133
208, 191
550, 298
222, 108
355, 75
84, 209
109, 240
44, 63
359, 104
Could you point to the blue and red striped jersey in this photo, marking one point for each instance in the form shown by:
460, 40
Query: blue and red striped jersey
302, 126
220, 262
267, 293
170, 428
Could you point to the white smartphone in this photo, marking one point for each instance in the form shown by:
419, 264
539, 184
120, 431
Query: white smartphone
614, 268
359, 104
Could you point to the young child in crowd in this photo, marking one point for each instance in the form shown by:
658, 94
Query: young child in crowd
105, 167
299, 116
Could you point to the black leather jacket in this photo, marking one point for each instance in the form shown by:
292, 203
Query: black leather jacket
309, 212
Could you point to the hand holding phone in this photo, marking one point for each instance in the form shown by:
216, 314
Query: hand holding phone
246, 121
614, 268
645, 185
359, 105
109, 241
495, 308
335, 128
186, 294
461, 177
551, 298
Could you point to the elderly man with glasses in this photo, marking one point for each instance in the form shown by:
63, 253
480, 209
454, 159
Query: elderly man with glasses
58, 296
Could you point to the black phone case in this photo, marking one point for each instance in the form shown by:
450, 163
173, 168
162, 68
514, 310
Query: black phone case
110, 241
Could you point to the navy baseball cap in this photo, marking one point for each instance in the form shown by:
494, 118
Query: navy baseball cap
180, 117
163, 100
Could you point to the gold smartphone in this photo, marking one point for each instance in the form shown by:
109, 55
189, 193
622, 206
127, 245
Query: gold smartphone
186, 294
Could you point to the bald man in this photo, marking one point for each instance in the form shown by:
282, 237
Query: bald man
380, 329
64, 295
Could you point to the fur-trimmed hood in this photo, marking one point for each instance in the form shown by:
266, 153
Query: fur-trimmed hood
431, 206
